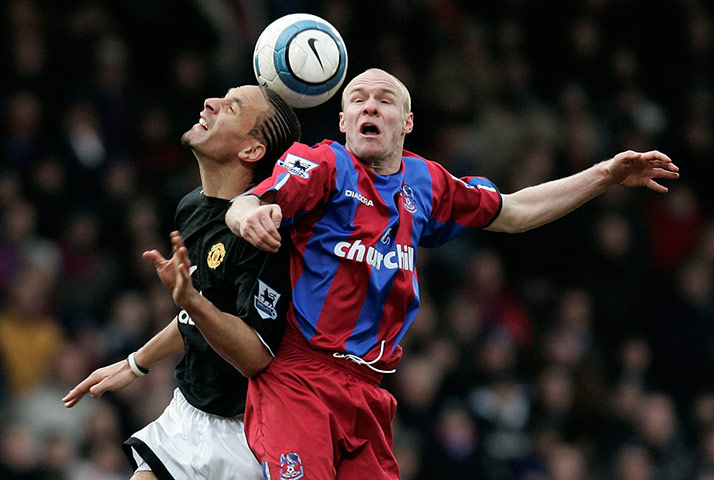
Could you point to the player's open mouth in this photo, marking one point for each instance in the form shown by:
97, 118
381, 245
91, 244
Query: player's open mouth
369, 129
203, 123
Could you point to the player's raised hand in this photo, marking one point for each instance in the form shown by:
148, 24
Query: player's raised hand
635, 169
183, 288
106, 379
260, 227
165, 268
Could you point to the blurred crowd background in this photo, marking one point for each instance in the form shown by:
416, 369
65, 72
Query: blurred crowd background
583, 350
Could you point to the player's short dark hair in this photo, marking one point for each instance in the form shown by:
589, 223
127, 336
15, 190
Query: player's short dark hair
278, 129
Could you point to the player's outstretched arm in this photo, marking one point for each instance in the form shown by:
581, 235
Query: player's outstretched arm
227, 334
255, 221
534, 206
118, 375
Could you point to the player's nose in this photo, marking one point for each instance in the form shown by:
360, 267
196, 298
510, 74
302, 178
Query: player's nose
370, 106
212, 104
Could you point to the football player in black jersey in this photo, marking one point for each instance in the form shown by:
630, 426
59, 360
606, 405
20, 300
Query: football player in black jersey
228, 290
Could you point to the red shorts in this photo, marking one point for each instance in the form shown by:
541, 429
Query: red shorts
310, 415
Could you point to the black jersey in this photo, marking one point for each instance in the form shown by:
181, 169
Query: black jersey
239, 279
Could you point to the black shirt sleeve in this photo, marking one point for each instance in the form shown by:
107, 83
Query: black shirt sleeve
271, 296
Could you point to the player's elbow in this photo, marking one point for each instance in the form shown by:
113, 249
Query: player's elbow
507, 224
257, 364
514, 217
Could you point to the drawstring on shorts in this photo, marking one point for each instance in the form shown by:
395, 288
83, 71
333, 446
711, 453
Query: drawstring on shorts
362, 361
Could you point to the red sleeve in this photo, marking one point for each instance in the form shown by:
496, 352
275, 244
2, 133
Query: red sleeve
458, 204
302, 179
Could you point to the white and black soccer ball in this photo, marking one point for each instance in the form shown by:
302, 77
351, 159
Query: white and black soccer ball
302, 58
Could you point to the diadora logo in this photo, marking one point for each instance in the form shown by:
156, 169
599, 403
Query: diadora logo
297, 165
402, 257
360, 197
266, 300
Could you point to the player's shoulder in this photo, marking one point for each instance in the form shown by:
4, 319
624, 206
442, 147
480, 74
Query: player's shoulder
321, 150
189, 202
304, 160
414, 162
412, 157
191, 198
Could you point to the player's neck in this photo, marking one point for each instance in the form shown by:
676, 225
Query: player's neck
379, 163
225, 181
386, 165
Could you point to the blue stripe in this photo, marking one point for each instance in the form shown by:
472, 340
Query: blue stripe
320, 264
483, 182
412, 308
419, 178
366, 331
282, 65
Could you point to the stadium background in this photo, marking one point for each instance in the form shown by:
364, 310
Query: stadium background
582, 350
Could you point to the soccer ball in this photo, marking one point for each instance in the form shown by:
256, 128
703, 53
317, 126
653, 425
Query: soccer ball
302, 58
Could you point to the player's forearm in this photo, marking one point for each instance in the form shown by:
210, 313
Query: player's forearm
541, 204
229, 336
238, 209
166, 343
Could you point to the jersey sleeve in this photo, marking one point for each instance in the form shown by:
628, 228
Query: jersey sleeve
302, 179
266, 308
459, 204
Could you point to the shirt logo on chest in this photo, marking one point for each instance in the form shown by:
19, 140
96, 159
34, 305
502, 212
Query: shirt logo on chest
360, 197
400, 258
406, 194
216, 255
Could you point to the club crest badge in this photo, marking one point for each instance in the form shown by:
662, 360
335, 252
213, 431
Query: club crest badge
291, 466
216, 255
407, 196
297, 165
266, 300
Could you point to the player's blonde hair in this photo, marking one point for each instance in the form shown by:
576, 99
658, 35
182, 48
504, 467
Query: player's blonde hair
400, 86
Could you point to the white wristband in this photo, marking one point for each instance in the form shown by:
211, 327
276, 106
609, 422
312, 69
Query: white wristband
138, 371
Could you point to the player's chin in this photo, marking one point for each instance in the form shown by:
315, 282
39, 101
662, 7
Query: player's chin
369, 149
187, 138
195, 137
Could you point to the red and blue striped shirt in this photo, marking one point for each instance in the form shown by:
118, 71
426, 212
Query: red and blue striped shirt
354, 238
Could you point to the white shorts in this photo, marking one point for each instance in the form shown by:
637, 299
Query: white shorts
187, 443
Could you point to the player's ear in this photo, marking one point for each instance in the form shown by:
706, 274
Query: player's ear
409, 123
252, 153
342, 122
